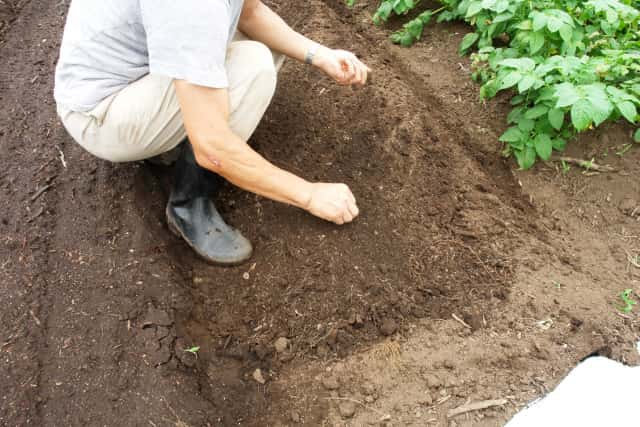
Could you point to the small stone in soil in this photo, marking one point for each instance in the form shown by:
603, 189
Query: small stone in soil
368, 389
330, 383
295, 417
388, 327
426, 400
627, 206
281, 344
347, 409
258, 377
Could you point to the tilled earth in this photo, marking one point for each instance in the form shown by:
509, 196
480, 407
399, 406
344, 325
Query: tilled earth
101, 301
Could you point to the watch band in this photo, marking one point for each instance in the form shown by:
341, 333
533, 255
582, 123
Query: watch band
311, 53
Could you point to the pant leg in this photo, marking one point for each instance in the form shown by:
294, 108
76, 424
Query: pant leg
144, 120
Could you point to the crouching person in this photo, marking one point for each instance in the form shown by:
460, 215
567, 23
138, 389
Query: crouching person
190, 80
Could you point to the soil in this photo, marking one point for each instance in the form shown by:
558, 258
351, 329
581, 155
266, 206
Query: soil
462, 280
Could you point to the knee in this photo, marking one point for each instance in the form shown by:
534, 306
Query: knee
263, 69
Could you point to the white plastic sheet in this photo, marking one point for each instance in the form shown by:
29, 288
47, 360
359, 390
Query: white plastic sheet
597, 393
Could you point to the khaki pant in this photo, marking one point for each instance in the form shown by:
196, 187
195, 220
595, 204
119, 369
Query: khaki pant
144, 120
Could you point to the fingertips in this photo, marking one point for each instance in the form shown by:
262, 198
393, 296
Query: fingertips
353, 210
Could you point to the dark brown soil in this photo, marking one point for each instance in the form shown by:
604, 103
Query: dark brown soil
102, 301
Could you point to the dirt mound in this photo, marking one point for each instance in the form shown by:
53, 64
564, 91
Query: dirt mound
435, 227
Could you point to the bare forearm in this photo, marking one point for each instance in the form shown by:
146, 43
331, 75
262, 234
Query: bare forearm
237, 162
262, 24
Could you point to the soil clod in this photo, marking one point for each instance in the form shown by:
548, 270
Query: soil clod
281, 344
388, 327
347, 409
330, 383
157, 317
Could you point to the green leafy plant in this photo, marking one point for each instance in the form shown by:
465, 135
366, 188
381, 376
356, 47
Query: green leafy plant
627, 300
570, 65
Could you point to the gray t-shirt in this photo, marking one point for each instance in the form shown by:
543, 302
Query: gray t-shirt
108, 44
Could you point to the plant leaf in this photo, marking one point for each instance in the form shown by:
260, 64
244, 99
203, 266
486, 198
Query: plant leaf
567, 95
526, 83
539, 20
510, 80
636, 136
556, 118
535, 112
512, 134
536, 41
526, 125
474, 8
628, 110
526, 157
566, 33
581, 114
543, 146
559, 144
468, 41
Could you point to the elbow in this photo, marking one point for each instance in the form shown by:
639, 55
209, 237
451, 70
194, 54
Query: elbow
249, 11
213, 154
206, 161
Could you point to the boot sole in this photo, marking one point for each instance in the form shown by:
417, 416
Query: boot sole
176, 230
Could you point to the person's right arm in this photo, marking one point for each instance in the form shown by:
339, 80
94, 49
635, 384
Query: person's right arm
206, 117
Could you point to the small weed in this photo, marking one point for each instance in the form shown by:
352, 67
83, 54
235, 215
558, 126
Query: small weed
193, 350
629, 302
588, 165
565, 167
557, 284
623, 151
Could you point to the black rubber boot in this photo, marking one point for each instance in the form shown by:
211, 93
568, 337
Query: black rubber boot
192, 215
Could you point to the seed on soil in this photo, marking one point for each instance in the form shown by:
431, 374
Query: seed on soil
388, 327
347, 409
258, 377
281, 344
330, 383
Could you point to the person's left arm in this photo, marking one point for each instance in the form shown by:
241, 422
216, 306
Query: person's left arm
262, 24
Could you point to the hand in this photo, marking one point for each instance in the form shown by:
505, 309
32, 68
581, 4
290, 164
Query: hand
342, 66
332, 202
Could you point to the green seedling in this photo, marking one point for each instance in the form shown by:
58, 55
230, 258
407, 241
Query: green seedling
629, 302
193, 350
565, 167
587, 165
625, 148
558, 285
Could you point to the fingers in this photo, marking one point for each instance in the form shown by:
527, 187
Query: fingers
352, 208
365, 70
349, 209
333, 202
346, 211
348, 71
360, 70
351, 71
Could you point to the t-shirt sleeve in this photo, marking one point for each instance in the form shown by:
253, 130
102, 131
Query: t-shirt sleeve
187, 39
